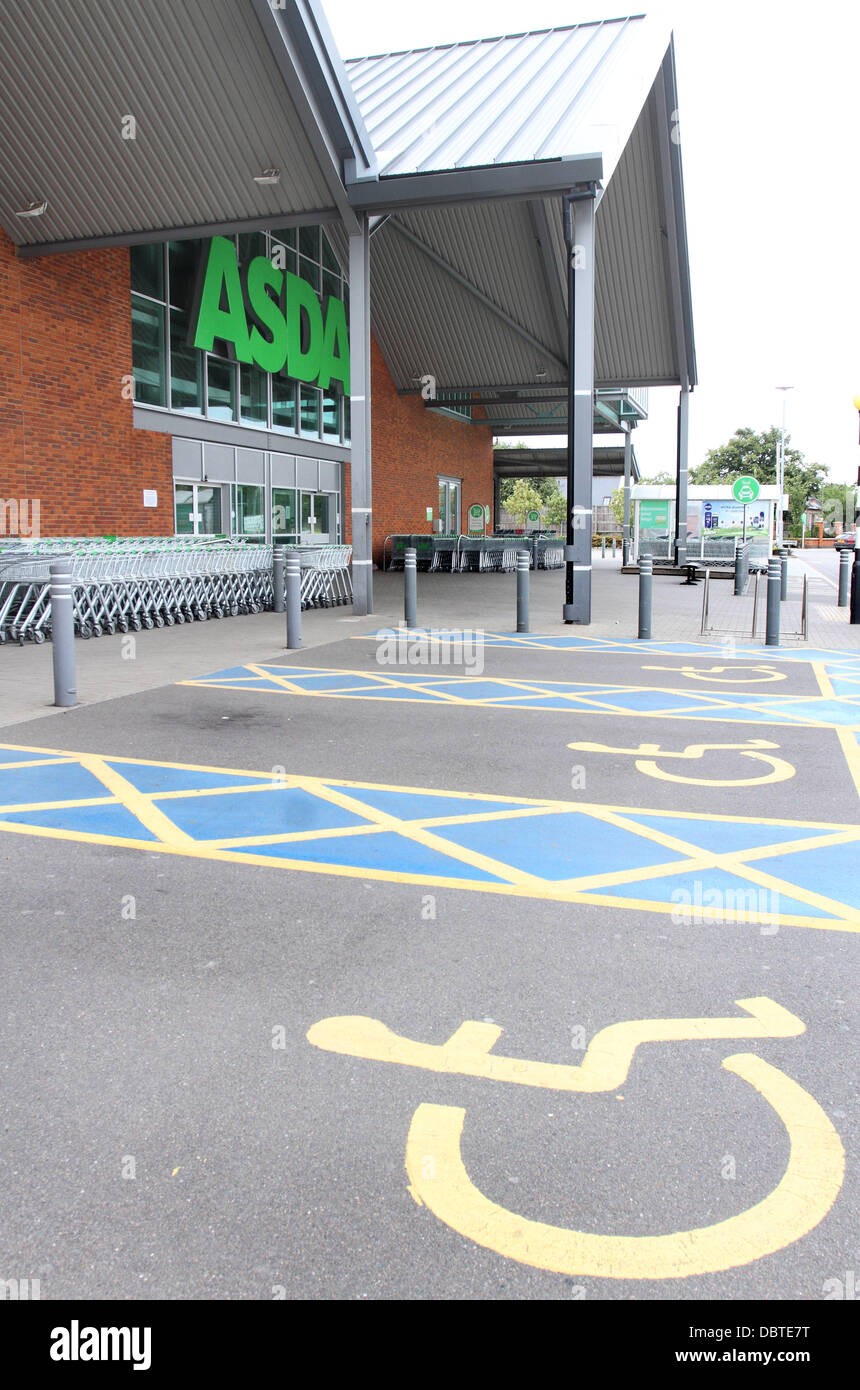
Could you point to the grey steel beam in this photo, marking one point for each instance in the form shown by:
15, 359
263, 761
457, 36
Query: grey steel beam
681, 477
205, 229
669, 170
305, 84
579, 241
361, 490
628, 462
530, 179
473, 290
552, 279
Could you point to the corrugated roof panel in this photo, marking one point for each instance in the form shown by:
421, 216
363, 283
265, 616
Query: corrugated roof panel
540, 95
210, 107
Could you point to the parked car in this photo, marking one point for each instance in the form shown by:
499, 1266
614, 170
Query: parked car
844, 540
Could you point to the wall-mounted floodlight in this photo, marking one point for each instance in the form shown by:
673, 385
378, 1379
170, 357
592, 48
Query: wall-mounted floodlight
268, 176
34, 209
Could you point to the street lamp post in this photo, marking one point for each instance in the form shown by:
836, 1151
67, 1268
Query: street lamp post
780, 469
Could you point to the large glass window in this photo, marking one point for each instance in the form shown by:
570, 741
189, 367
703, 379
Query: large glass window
310, 406
248, 515
148, 355
186, 368
222, 389
254, 401
331, 415
284, 404
284, 516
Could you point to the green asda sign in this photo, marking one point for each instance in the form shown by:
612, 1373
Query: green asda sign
271, 318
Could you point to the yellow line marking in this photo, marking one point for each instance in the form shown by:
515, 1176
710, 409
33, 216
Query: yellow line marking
140, 806
802, 1198
851, 749
710, 705
825, 684
604, 1067
545, 891
36, 762
57, 805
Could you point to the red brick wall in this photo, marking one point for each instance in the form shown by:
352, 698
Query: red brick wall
67, 436
66, 433
411, 448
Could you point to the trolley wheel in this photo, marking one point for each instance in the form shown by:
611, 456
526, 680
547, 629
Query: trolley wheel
234, 610
148, 622
180, 617
159, 621
38, 638
2, 639
136, 623
123, 625
110, 629
169, 620
217, 611
97, 631
21, 639
86, 631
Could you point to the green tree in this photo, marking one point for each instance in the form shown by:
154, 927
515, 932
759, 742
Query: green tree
616, 502
544, 487
659, 479
555, 511
755, 454
522, 499
836, 501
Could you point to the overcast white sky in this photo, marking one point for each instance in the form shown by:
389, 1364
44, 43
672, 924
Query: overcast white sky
769, 103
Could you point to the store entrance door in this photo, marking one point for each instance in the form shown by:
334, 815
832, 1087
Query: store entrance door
198, 509
319, 519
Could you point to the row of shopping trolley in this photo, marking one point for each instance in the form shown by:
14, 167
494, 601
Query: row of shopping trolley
461, 554
124, 585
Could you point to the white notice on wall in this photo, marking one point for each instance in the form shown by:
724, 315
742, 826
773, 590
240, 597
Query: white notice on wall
150, 497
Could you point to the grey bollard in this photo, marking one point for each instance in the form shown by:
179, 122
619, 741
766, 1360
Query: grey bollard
279, 561
523, 560
603, 547
410, 587
613, 547
783, 574
646, 583
293, 577
846, 560
742, 569
774, 588
63, 635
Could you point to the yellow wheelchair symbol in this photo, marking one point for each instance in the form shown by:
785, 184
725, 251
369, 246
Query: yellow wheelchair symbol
438, 1178
780, 770
713, 673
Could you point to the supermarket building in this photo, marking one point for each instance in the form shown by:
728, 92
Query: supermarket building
247, 287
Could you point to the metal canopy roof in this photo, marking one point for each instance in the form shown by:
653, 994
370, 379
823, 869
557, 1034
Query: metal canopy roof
608, 462
219, 92
475, 292
464, 149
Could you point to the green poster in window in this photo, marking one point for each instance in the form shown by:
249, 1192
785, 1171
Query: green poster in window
653, 516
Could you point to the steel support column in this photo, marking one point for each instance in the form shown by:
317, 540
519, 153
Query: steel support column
628, 468
681, 473
359, 351
579, 239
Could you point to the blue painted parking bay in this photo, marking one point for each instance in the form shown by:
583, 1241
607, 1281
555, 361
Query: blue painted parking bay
767, 872
839, 709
